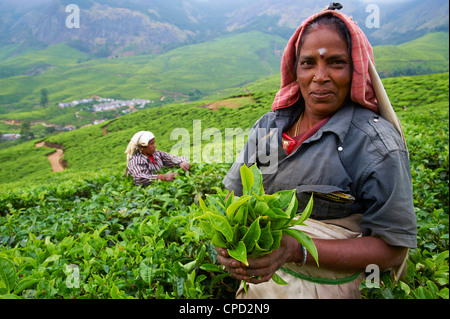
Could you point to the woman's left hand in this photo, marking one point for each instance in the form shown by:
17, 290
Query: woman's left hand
260, 269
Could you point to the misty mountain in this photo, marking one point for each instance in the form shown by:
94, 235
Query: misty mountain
120, 28
399, 21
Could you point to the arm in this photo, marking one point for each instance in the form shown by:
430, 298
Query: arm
170, 160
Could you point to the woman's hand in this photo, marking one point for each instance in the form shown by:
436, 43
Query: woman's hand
185, 166
168, 177
261, 269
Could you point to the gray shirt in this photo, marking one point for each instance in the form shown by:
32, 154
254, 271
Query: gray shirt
356, 154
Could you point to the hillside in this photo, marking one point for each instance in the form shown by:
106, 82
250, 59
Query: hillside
428, 54
209, 70
103, 145
67, 73
185, 73
88, 232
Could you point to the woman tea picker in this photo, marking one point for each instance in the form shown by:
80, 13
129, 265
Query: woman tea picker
330, 142
144, 160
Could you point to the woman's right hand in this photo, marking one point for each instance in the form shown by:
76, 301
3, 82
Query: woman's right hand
168, 177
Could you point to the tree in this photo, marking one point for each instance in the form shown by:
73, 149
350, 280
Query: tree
25, 131
44, 97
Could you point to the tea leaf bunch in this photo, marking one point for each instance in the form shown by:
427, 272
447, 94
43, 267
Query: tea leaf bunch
252, 225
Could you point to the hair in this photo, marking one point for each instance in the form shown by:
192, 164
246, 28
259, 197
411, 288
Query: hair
331, 21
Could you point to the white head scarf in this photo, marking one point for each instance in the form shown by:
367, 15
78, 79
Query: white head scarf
140, 138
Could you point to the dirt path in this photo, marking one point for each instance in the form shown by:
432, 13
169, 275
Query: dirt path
55, 158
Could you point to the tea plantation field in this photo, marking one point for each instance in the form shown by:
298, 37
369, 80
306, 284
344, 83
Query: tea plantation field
88, 232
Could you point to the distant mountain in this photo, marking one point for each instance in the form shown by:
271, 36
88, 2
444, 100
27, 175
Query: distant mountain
410, 21
123, 28
399, 21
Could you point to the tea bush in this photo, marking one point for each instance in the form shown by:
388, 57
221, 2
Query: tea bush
120, 240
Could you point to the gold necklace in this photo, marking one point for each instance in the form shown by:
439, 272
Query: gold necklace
297, 129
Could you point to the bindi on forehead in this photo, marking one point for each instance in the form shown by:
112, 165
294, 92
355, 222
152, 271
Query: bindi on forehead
322, 52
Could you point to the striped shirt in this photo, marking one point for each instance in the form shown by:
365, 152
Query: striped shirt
144, 170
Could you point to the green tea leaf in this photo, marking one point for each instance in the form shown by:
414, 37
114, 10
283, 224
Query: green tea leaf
180, 286
234, 206
293, 205
278, 280
229, 199
257, 187
221, 224
241, 216
252, 235
218, 206
240, 253
7, 273
251, 209
270, 199
266, 239
115, 292
247, 179
189, 266
207, 228
25, 283
258, 251
280, 222
146, 272
211, 267
202, 205
178, 269
276, 234
50, 259
218, 241
306, 213
261, 208
280, 199
9, 296
443, 293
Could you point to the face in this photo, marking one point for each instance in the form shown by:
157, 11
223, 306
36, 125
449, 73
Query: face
150, 148
324, 72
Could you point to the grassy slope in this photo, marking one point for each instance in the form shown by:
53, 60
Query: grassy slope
427, 54
89, 149
217, 68
222, 63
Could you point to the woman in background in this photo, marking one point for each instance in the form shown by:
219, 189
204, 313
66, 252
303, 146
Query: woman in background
144, 160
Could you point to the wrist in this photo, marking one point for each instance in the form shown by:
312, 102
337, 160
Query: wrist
299, 253
304, 256
296, 252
